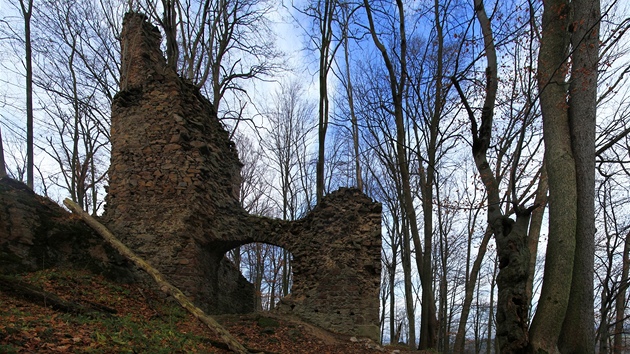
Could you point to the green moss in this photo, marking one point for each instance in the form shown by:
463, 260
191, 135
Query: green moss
8, 349
267, 322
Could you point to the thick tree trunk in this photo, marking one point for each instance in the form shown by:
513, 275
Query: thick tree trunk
512, 302
560, 163
577, 330
165, 286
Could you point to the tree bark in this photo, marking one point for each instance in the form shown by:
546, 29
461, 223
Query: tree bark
578, 334
324, 67
165, 286
512, 302
27, 11
169, 23
460, 337
620, 305
552, 70
3, 168
535, 225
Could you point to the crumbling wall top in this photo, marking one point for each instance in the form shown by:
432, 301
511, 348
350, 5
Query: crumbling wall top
140, 50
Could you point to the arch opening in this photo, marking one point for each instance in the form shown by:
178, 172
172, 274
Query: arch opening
268, 268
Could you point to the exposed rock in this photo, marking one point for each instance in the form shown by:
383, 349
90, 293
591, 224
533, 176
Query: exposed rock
36, 233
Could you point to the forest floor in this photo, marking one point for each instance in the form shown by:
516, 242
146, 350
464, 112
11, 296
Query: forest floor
121, 318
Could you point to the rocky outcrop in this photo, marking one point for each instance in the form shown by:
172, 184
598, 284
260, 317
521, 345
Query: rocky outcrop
36, 233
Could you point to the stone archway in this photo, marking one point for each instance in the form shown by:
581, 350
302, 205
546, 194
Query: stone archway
172, 198
268, 268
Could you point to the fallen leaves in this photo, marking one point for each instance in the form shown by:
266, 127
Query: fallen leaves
143, 322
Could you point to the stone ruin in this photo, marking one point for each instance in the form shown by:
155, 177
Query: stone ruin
173, 199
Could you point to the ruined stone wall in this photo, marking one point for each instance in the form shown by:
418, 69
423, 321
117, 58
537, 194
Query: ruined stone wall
172, 198
336, 263
171, 167
36, 233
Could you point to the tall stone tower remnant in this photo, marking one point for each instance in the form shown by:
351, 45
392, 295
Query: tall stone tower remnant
173, 198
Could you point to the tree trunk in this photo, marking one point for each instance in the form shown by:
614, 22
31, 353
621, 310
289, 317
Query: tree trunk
324, 66
36, 295
353, 116
3, 168
260, 268
392, 296
397, 88
428, 319
535, 225
510, 235
460, 337
620, 305
409, 303
577, 330
603, 317
27, 11
491, 309
165, 286
552, 70
169, 23
512, 303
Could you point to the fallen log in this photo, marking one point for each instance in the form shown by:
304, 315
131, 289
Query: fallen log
164, 285
22, 290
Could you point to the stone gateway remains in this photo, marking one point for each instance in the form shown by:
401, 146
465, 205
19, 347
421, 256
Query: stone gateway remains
173, 199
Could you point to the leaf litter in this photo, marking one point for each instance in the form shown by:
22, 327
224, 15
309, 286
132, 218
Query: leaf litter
130, 319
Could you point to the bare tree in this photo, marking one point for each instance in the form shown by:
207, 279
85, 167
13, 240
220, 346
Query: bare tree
75, 76
346, 13
510, 235
3, 168
322, 13
219, 45
397, 76
620, 299
27, 12
286, 145
289, 118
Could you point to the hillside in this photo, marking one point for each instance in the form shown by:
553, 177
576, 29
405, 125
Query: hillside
115, 318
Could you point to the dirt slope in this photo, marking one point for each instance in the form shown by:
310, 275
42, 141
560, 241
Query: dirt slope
118, 318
